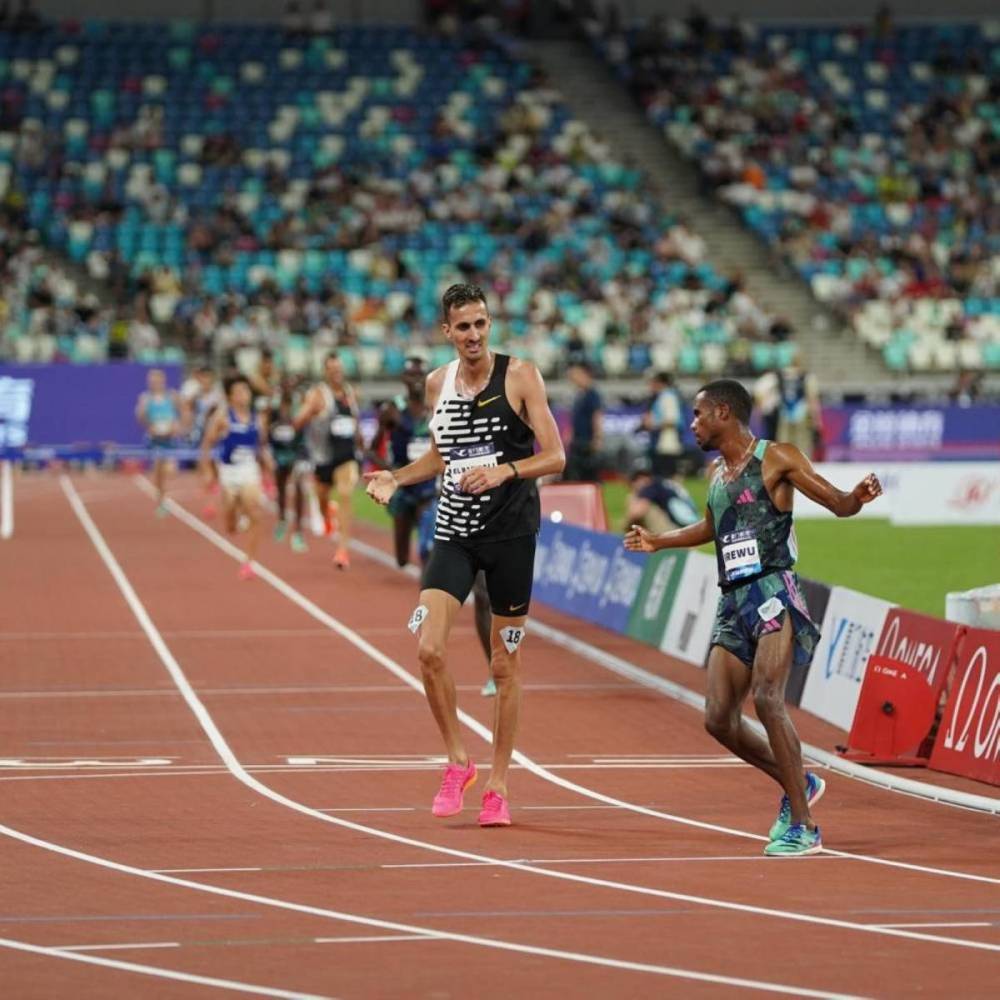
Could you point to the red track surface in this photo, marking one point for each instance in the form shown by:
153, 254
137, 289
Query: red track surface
657, 900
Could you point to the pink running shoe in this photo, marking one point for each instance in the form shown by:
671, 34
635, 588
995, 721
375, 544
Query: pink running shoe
448, 801
495, 811
246, 571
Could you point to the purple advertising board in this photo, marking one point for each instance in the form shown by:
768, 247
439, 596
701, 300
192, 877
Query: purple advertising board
911, 433
51, 405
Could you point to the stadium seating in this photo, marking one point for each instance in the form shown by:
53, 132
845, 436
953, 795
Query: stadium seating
868, 158
260, 188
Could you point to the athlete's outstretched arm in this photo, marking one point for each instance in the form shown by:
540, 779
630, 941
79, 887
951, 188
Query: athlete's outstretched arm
638, 539
798, 470
530, 398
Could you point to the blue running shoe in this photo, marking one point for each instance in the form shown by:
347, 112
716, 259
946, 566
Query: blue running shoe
815, 787
796, 842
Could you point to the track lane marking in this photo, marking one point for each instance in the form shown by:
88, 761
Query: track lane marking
311, 608
226, 754
236, 768
157, 972
410, 929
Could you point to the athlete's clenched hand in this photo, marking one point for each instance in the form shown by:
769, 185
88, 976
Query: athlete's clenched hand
868, 489
381, 486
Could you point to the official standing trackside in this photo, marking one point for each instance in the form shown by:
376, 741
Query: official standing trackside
488, 411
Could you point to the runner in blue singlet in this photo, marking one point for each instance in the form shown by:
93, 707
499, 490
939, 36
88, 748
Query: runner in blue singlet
237, 432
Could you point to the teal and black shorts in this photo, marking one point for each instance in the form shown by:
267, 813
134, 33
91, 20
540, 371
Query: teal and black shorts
757, 608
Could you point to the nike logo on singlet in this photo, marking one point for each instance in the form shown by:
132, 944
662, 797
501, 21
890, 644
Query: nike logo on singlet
517, 607
486, 402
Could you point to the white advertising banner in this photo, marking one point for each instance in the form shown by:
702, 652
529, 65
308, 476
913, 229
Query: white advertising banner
689, 628
918, 492
845, 476
949, 493
851, 627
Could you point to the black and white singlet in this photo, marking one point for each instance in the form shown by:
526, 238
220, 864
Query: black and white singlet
476, 432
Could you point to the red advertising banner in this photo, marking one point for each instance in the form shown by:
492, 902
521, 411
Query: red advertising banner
902, 690
968, 742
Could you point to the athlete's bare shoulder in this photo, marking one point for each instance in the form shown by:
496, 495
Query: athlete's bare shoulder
783, 457
524, 375
521, 366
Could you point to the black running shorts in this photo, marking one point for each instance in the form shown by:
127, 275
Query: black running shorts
508, 564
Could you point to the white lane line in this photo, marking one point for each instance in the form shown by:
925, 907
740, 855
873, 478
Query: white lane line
410, 929
372, 809
377, 938
679, 693
232, 763
583, 861
407, 678
143, 945
226, 754
155, 971
135, 946
191, 870
961, 923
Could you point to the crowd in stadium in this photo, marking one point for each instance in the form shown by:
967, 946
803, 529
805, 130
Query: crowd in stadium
300, 218
866, 156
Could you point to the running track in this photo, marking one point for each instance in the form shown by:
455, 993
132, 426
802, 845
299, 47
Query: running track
211, 787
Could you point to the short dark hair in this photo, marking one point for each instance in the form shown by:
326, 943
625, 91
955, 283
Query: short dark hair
733, 394
234, 380
332, 356
461, 295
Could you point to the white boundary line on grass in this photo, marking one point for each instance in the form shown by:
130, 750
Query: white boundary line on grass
629, 671
398, 671
159, 973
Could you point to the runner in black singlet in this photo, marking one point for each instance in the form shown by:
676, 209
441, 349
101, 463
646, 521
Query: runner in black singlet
488, 410
762, 624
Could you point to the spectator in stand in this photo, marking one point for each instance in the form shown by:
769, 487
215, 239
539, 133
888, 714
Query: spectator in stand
586, 426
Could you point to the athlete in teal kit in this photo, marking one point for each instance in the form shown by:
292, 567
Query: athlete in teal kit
158, 410
762, 624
